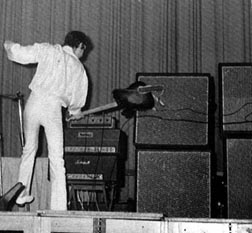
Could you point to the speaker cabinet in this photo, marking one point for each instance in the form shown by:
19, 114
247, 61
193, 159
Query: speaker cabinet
176, 183
239, 178
182, 116
236, 97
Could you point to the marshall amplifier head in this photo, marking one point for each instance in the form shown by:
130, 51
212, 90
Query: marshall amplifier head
96, 121
93, 140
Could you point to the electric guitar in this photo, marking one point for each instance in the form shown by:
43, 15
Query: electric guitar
137, 97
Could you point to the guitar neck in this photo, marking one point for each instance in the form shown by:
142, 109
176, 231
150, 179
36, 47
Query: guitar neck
149, 88
100, 109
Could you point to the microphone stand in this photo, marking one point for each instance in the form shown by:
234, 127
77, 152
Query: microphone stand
19, 98
20, 114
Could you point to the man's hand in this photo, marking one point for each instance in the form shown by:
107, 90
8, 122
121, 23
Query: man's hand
7, 44
74, 117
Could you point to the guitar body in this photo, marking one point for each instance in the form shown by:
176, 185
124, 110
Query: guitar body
131, 100
137, 97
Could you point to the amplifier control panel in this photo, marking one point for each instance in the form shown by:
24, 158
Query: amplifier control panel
90, 149
82, 176
94, 140
93, 122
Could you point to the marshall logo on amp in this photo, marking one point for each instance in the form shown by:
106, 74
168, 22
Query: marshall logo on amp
91, 166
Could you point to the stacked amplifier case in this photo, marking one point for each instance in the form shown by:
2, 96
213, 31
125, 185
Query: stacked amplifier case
236, 128
94, 149
173, 143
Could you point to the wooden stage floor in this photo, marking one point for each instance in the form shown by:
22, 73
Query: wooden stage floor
115, 222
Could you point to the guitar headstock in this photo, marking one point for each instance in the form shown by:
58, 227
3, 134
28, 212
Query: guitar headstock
149, 88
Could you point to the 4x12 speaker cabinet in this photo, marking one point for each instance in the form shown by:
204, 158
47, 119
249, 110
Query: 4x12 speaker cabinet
239, 178
181, 117
236, 97
175, 183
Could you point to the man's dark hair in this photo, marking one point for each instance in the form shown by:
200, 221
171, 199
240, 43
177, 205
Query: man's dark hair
74, 38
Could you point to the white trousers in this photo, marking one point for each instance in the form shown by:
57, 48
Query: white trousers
44, 111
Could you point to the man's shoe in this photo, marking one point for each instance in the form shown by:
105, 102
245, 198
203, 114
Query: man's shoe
21, 201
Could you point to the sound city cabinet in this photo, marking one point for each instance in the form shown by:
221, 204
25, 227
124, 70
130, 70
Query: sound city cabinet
183, 113
95, 156
173, 141
235, 98
175, 183
235, 114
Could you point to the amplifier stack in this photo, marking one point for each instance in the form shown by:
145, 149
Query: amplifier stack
94, 149
235, 115
173, 143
